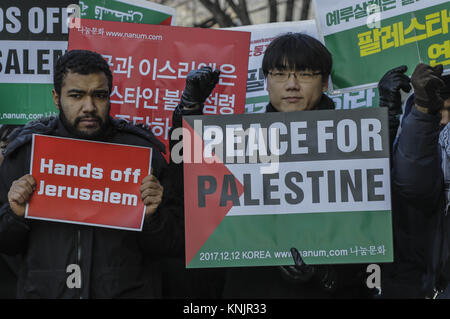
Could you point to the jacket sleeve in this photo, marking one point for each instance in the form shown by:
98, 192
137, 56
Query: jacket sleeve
14, 230
163, 232
176, 170
416, 167
165, 229
417, 203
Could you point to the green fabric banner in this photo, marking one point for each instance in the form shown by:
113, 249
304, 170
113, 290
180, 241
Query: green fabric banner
367, 38
323, 188
34, 35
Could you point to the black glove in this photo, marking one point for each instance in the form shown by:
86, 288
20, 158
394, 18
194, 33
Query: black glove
301, 272
199, 85
324, 275
389, 89
444, 277
328, 278
427, 82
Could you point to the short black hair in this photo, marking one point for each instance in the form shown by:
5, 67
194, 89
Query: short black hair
82, 62
297, 51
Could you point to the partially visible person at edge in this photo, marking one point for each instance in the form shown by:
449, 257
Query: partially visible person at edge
296, 67
5, 133
8, 264
420, 186
113, 263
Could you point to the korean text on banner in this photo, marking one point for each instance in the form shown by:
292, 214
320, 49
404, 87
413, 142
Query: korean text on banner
98, 184
150, 64
135, 11
33, 35
261, 36
368, 38
257, 185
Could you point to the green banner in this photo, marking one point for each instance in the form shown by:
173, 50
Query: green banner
133, 11
356, 237
34, 35
367, 38
27, 95
323, 188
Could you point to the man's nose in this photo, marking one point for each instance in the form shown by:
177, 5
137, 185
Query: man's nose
89, 104
292, 82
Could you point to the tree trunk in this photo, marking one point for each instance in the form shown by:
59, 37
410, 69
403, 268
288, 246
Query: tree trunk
289, 10
245, 19
305, 9
273, 11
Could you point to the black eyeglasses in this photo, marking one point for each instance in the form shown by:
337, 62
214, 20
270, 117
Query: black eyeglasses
302, 76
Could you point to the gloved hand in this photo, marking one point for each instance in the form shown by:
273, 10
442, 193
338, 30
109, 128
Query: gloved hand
389, 89
426, 81
199, 85
328, 278
301, 272
324, 275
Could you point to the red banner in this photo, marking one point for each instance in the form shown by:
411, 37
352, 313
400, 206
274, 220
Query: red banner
98, 184
150, 64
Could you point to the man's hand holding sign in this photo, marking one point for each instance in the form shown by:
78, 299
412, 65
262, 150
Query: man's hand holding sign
97, 185
72, 186
151, 194
22, 189
20, 193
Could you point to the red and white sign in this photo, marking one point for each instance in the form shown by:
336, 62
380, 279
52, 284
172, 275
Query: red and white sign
150, 64
86, 182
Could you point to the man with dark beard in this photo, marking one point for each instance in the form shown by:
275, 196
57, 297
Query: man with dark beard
113, 263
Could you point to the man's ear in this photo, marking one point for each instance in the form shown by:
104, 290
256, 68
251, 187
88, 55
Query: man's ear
325, 84
55, 98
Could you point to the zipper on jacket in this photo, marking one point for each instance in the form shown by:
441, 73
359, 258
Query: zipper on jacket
79, 257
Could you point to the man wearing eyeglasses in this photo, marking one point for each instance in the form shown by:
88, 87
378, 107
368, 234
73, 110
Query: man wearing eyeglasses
296, 67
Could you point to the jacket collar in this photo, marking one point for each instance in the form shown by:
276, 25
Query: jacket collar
54, 126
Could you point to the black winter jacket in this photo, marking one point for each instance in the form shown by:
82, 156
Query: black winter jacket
114, 263
420, 219
272, 282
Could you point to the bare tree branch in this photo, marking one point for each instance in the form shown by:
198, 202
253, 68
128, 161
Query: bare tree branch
241, 10
245, 19
225, 11
209, 23
222, 18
